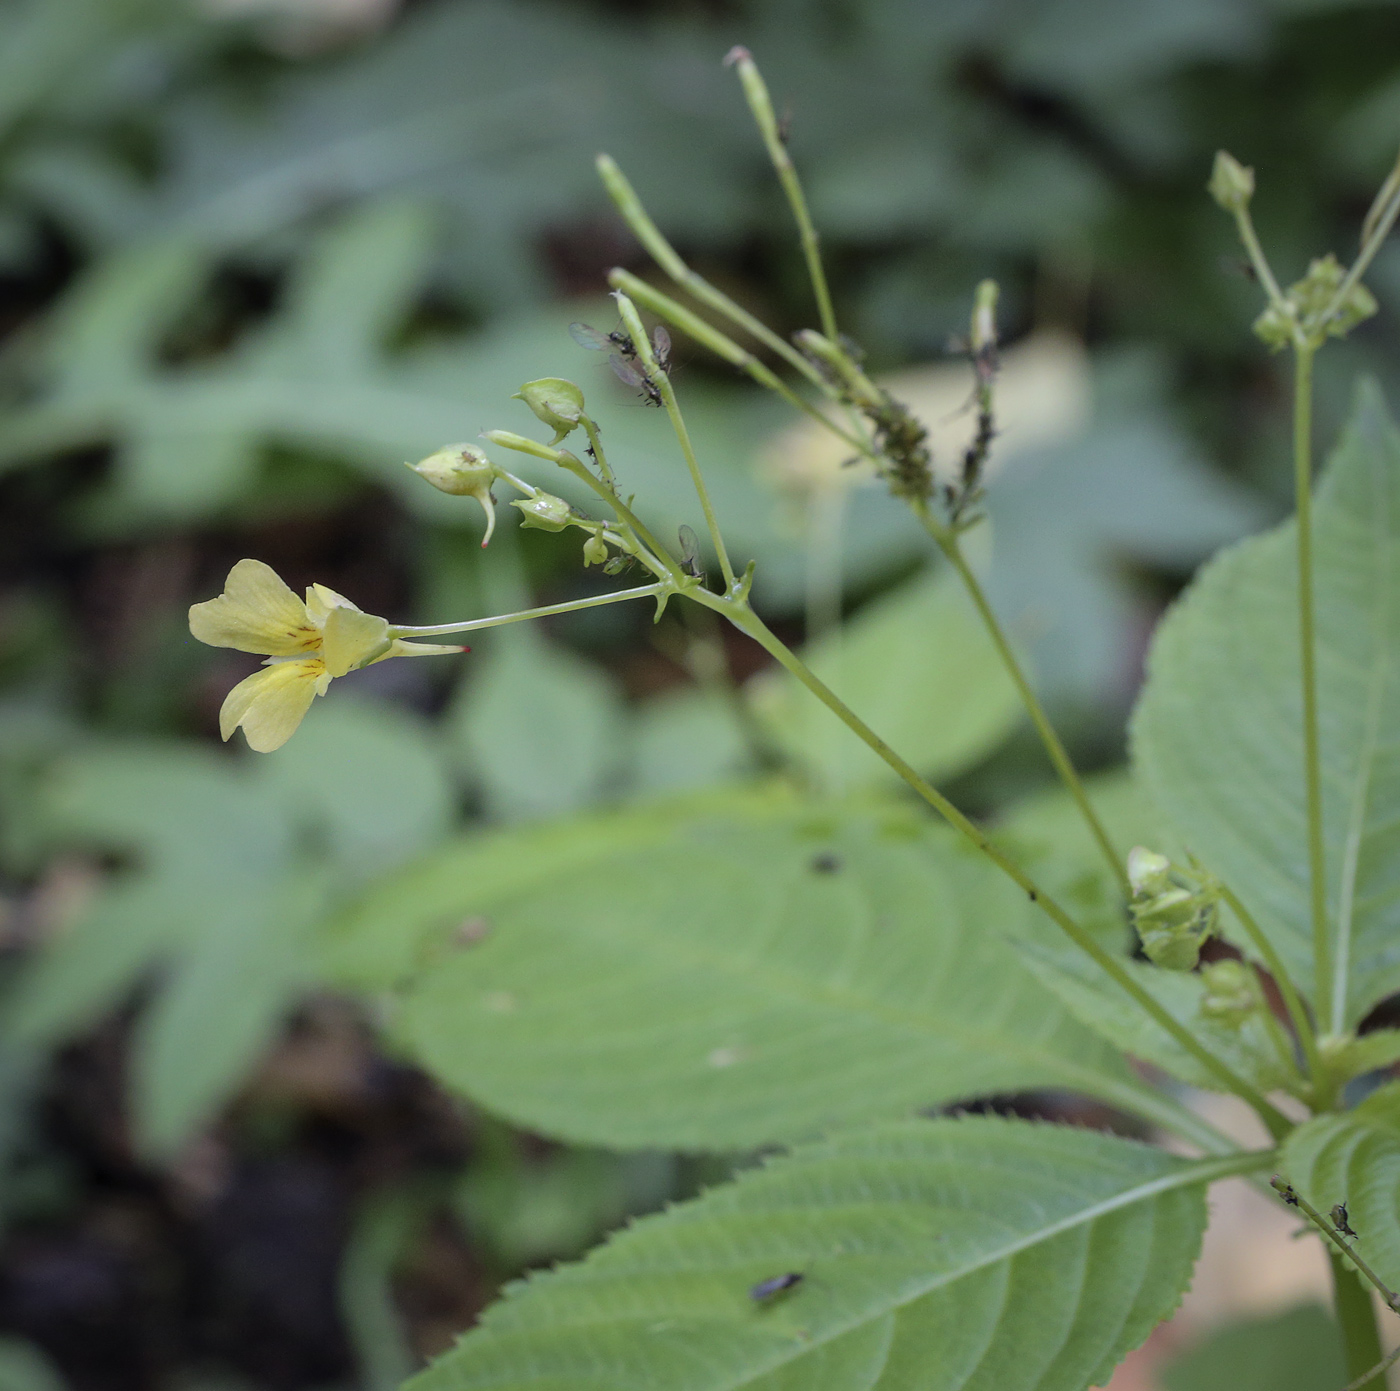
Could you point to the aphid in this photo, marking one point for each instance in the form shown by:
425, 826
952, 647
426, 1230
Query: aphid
618, 564
766, 1289
825, 863
661, 348
586, 336
690, 551
633, 375
785, 126
1340, 1220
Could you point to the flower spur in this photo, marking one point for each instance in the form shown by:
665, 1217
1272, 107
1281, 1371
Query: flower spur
306, 645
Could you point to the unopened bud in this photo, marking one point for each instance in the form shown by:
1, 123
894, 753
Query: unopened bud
984, 317
464, 471
1275, 327
544, 512
1148, 872
1232, 993
1172, 920
595, 551
558, 403
1314, 293
1231, 184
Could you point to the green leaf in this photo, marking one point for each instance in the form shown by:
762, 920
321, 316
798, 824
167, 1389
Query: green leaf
201, 834
1297, 1350
1047, 834
1354, 1158
684, 740
1217, 735
933, 1254
407, 922
229, 993
368, 780
755, 974
1096, 1001
541, 728
918, 668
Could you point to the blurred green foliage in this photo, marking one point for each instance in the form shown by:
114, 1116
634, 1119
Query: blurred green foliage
243, 278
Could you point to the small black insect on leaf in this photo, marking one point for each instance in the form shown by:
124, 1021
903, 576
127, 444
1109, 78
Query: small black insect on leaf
766, 1289
825, 863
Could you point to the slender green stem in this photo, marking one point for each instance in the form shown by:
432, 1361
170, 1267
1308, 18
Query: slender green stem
761, 104
595, 443
949, 544
1292, 1001
662, 383
1380, 225
1260, 262
1356, 1319
1312, 760
664, 254
749, 622
645, 591
1367, 1377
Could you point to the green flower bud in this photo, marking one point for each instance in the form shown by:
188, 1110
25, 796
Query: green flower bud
1232, 993
1148, 872
1172, 920
1275, 327
1231, 184
464, 471
544, 512
558, 403
595, 551
1316, 290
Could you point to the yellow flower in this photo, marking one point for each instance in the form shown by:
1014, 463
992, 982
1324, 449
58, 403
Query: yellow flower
306, 645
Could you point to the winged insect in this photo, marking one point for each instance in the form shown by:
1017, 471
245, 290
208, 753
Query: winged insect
690, 551
766, 1289
633, 375
586, 336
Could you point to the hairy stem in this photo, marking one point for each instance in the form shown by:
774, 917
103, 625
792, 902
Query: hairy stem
1307, 636
749, 622
1064, 766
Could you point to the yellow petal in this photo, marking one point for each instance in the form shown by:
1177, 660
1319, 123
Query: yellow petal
255, 613
271, 703
321, 600
400, 648
351, 638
